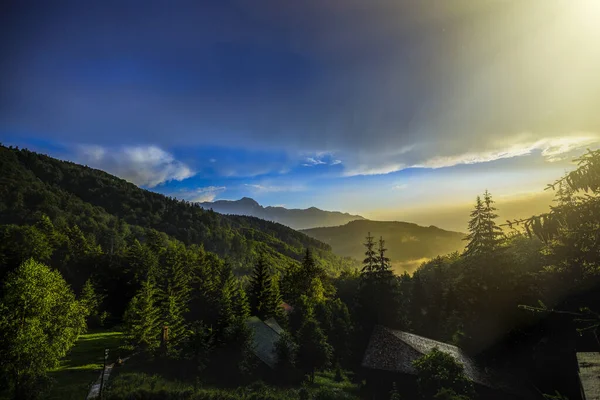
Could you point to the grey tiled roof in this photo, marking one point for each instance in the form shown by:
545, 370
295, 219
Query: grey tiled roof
274, 325
589, 374
264, 340
395, 351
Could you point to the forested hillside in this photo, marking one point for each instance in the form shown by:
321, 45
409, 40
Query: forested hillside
512, 300
108, 210
409, 244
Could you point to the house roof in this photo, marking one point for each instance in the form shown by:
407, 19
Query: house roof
589, 374
394, 351
264, 339
274, 325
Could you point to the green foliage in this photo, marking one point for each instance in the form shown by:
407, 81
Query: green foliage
199, 346
335, 320
286, 351
173, 294
275, 303
260, 290
91, 300
142, 318
304, 280
233, 359
313, 350
438, 370
394, 394
449, 394
40, 319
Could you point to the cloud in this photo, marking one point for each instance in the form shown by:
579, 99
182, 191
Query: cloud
558, 148
201, 194
274, 188
335, 162
443, 78
143, 165
553, 149
369, 169
400, 186
311, 162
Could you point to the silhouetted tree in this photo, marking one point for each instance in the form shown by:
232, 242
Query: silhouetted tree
260, 290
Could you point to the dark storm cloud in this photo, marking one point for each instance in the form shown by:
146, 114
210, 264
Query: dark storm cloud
379, 84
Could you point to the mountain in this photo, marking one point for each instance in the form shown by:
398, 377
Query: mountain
294, 218
408, 244
108, 209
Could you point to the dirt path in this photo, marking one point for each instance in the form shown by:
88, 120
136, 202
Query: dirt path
95, 389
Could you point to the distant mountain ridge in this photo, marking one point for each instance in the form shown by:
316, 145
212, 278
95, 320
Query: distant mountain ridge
295, 218
408, 244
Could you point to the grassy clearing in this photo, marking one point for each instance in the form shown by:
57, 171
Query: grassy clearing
326, 379
82, 366
134, 380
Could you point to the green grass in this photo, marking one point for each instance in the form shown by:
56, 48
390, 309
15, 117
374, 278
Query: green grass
326, 379
130, 382
82, 366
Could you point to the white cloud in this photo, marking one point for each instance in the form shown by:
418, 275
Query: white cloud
552, 148
312, 161
143, 165
274, 188
557, 149
400, 186
335, 162
365, 169
201, 194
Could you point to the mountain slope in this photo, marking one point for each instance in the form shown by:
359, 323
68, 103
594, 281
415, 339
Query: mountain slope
294, 218
408, 244
32, 184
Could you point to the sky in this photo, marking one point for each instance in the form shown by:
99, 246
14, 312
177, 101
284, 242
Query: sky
394, 110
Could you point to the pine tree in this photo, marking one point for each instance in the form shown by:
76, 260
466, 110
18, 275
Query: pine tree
308, 272
377, 296
383, 268
140, 261
341, 329
241, 307
493, 233
300, 281
475, 229
142, 318
91, 302
174, 295
370, 261
484, 235
260, 289
275, 310
199, 345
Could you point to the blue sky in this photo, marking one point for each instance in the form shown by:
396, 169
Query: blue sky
390, 109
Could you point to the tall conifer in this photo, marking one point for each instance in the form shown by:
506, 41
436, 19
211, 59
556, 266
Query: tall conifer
260, 289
